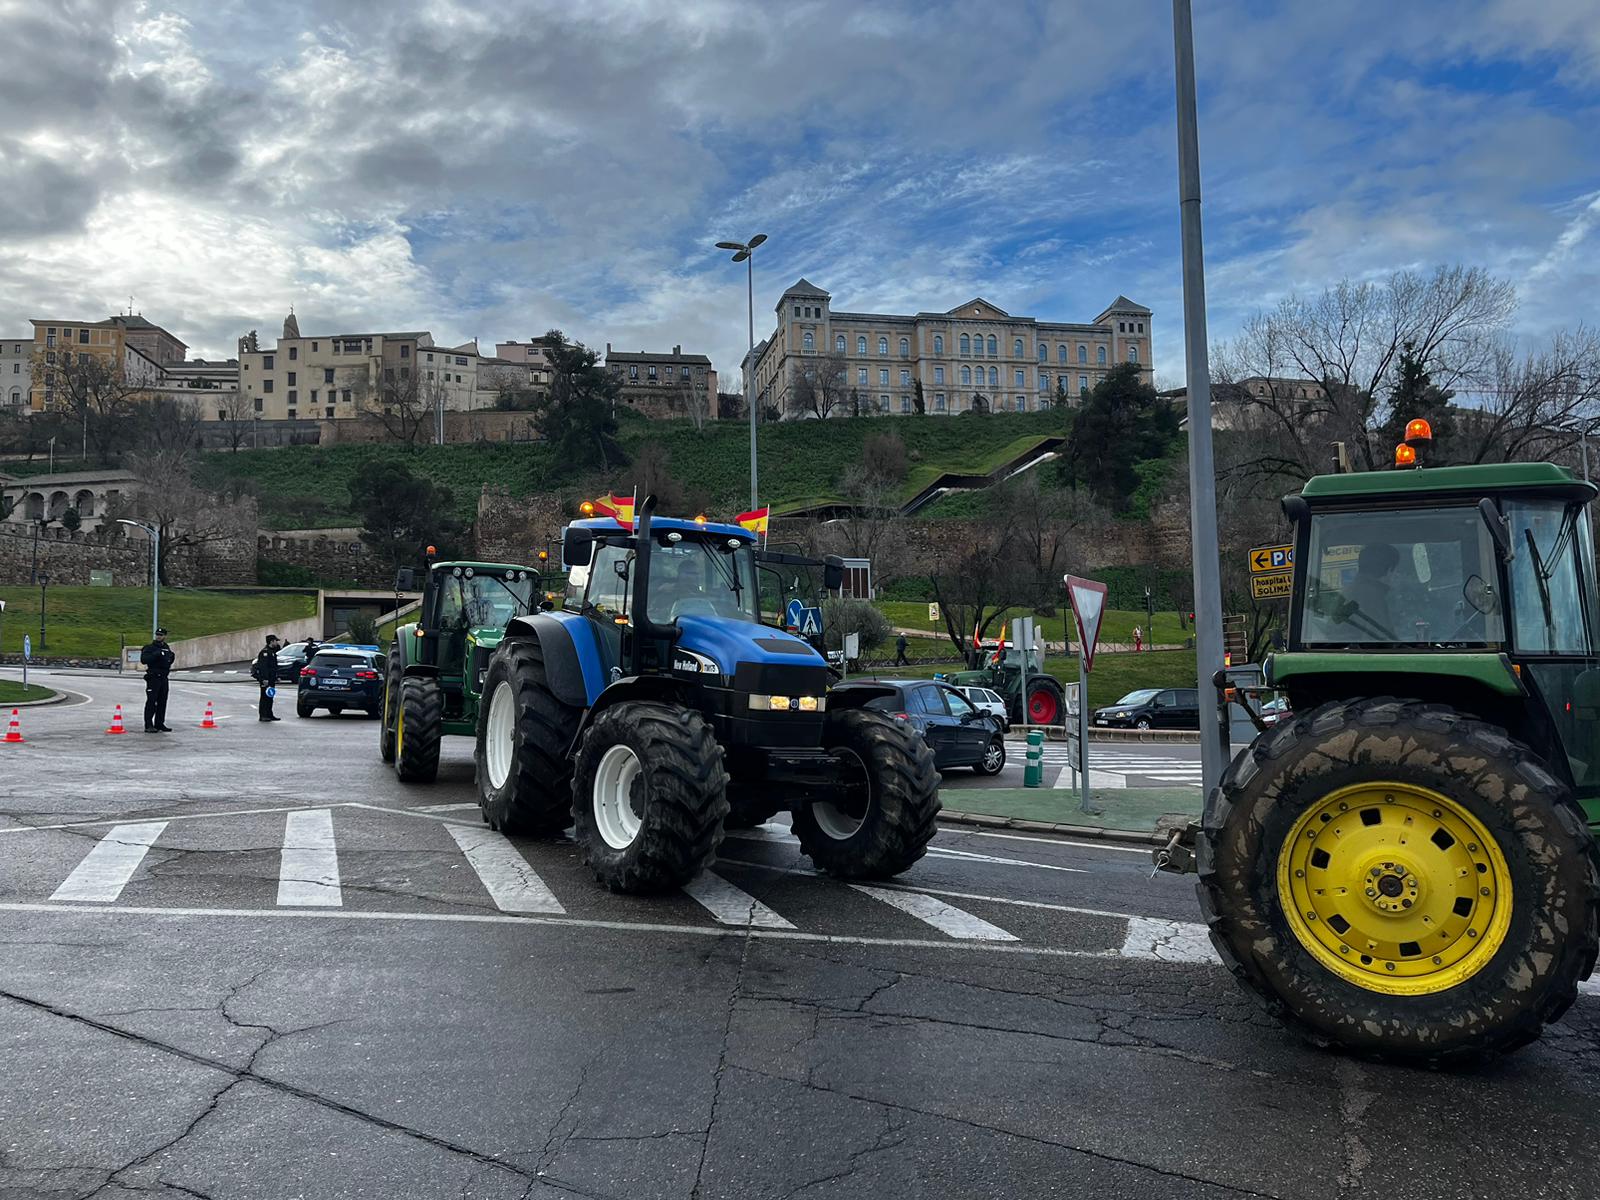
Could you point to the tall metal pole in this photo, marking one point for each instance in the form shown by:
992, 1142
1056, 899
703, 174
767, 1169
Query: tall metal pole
1214, 748
750, 375
155, 576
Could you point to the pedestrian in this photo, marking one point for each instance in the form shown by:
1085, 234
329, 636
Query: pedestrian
1138, 639
157, 658
265, 673
900, 646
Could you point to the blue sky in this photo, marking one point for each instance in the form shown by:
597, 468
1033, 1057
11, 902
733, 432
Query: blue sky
493, 171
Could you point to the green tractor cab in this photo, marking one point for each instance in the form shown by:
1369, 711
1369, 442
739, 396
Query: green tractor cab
436, 666
1045, 703
1406, 868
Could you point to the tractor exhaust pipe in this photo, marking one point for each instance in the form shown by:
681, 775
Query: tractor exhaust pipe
644, 629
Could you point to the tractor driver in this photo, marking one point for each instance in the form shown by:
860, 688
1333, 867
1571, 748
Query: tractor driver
1368, 594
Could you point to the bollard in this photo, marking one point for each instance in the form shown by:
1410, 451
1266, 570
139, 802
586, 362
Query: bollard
1033, 775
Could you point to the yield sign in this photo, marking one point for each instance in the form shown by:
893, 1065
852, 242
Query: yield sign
1088, 606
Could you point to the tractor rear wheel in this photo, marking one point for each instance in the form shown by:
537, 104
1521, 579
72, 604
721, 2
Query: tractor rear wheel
419, 726
524, 732
1401, 881
649, 796
390, 709
889, 807
750, 805
1046, 702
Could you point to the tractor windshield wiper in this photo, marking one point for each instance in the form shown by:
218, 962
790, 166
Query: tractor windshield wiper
729, 575
1541, 576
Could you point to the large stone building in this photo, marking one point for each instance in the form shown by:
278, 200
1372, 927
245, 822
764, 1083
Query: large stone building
822, 362
346, 375
16, 373
659, 384
136, 348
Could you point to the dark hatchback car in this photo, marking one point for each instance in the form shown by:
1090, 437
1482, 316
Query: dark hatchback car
341, 679
1153, 708
958, 733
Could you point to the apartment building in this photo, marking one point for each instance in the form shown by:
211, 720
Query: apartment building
659, 384
16, 372
974, 355
128, 342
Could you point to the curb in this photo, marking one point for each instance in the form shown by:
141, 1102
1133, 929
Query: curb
1142, 837
60, 697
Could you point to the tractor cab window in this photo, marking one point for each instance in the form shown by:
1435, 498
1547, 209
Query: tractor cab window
1410, 577
484, 601
1547, 604
701, 578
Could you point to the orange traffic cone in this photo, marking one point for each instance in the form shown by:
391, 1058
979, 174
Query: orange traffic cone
14, 734
116, 722
211, 721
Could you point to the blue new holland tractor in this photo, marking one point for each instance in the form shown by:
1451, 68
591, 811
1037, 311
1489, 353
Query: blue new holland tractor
655, 708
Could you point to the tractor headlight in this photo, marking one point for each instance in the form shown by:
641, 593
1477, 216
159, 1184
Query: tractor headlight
809, 704
694, 664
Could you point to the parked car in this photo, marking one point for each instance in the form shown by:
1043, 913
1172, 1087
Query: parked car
291, 657
957, 731
988, 701
1153, 708
337, 679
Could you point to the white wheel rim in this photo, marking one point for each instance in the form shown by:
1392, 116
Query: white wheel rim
833, 820
500, 737
994, 757
614, 817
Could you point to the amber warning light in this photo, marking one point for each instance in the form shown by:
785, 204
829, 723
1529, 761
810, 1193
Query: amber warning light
1404, 456
1418, 430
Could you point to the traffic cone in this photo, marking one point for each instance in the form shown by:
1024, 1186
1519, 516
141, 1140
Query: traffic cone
116, 722
211, 721
14, 734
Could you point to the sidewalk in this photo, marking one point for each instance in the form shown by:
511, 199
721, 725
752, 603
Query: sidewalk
1127, 814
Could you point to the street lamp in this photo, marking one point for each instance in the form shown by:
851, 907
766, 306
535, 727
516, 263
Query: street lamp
745, 252
44, 582
155, 570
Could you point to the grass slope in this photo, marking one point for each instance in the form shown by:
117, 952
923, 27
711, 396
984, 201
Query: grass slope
801, 462
92, 621
12, 692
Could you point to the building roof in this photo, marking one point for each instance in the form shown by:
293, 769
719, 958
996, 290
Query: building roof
137, 321
62, 478
1123, 304
806, 288
978, 301
663, 356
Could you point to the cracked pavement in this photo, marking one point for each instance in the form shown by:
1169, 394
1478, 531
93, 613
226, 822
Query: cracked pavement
150, 1054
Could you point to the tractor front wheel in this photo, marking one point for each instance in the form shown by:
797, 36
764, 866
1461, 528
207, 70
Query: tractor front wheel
887, 808
389, 726
419, 725
524, 774
649, 796
1401, 881
1046, 703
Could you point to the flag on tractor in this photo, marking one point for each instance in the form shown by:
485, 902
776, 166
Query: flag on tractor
755, 520
622, 508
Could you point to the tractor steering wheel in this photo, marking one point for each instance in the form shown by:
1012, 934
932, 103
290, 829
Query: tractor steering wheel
692, 606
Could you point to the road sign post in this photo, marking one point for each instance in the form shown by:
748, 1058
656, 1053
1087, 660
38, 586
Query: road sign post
27, 657
1088, 607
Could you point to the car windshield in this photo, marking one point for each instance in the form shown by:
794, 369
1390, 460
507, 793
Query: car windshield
486, 600
1142, 696
692, 577
1413, 577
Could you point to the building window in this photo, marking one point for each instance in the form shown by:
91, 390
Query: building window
938, 343
994, 347
883, 403
1141, 326
966, 374
683, 372
938, 374
905, 404
1083, 353
1121, 328
633, 371
650, 371
1021, 378
838, 344
883, 376
313, 395
966, 345
405, 350
1022, 404
314, 346
388, 374
1044, 381
1133, 354
1061, 354
938, 402
807, 343
1044, 352
883, 347
294, 353
266, 362
796, 310
266, 386
1016, 348
461, 360
291, 379
905, 377
327, 374
294, 396
344, 396
905, 348
83, 337
1083, 385
1100, 355
861, 376
258, 404
292, 414
861, 346
330, 414
994, 377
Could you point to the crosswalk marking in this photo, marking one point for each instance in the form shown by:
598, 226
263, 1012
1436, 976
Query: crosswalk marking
510, 881
309, 872
731, 905
106, 869
1167, 941
946, 918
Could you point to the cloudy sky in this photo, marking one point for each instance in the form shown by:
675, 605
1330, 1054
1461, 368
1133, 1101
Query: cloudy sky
495, 170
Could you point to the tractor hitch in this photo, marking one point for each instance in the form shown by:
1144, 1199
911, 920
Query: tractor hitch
1177, 856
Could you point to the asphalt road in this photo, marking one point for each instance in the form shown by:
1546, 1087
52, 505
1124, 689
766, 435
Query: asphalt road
1111, 764
248, 963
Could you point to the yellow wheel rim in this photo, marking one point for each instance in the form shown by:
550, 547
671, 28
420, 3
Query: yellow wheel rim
399, 729
1395, 888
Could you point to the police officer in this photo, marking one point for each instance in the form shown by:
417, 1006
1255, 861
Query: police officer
157, 659
265, 672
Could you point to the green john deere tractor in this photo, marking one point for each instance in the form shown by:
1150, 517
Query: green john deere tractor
435, 671
1002, 672
1406, 868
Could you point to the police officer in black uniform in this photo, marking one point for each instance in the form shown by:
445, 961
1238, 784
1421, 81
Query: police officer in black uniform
157, 659
265, 672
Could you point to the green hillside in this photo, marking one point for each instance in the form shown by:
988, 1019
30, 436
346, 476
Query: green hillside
93, 621
306, 487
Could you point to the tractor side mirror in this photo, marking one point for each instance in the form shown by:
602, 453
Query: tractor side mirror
577, 548
405, 580
833, 572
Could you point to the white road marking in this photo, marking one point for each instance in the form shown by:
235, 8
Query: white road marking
506, 875
309, 872
106, 869
1046, 841
973, 856
437, 808
946, 918
731, 905
1168, 941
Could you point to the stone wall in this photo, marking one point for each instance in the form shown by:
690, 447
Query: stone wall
478, 425
340, 558
514, 530
68, 558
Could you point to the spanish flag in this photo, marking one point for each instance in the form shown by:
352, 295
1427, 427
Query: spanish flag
755, 520
622, 508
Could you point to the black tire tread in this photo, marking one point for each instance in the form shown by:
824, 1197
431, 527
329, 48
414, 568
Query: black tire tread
417, 760
391, 686
1255, 767
538, 799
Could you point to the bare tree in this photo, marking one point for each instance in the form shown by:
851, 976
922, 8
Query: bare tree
1530, 406
236, 414
819, 388
978, 584
189, 517
406, 406
691, 398
95, 389
1052, 527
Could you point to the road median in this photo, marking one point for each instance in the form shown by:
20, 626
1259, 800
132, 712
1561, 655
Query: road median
1145, 815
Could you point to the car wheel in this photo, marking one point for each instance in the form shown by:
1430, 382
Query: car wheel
993, 760
336, 709
1142, 723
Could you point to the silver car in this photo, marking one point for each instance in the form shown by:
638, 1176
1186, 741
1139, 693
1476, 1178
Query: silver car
985, 700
